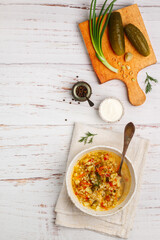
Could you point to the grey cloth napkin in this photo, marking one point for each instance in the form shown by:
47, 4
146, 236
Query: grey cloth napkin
118, 224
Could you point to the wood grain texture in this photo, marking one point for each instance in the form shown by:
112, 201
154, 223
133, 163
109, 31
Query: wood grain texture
42, 55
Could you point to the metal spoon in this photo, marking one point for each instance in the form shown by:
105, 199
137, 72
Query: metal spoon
128, 134
91, 104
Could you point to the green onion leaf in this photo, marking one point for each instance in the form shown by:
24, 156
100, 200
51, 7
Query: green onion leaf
94, 19
91, 26
107, 20
98, 21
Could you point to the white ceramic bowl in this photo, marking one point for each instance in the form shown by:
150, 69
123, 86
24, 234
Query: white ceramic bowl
75, 199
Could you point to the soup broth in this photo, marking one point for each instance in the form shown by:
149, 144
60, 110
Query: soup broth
96, 183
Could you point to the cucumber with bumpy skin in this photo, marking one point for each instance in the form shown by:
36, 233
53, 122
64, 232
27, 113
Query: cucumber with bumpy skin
137, 39
116, 33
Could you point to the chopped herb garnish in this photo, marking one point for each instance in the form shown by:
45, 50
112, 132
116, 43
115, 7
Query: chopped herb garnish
94, 187
88, 138
94, 202
107, 179
148, 81
98, 178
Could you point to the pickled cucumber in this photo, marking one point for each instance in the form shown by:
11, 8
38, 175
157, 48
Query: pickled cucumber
116, 33
137, 39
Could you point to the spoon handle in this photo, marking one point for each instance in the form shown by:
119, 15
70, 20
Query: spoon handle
128, 134
91, 104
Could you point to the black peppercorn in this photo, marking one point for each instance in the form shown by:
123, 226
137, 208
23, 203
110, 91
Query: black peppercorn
81, 91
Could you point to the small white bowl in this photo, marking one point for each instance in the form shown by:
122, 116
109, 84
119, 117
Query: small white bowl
75, 200
101, 112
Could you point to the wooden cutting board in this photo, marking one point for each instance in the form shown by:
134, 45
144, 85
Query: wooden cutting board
132, 15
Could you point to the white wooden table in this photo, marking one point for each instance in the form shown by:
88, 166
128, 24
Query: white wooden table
41, 55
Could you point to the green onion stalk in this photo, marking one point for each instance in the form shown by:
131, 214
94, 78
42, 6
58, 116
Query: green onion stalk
96, 30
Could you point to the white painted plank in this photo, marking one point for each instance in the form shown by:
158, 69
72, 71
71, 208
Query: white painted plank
31, 95
81, 3
69, 3
43, 33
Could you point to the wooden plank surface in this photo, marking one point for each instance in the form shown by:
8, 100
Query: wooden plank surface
42, 55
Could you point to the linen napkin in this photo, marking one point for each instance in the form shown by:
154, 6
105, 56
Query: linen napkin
120, 223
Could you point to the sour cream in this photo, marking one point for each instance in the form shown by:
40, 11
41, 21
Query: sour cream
111, 110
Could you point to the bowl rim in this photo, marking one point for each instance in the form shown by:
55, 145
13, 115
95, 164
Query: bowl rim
70, 189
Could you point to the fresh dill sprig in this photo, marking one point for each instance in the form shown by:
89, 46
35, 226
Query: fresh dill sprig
148, 81
88, 138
